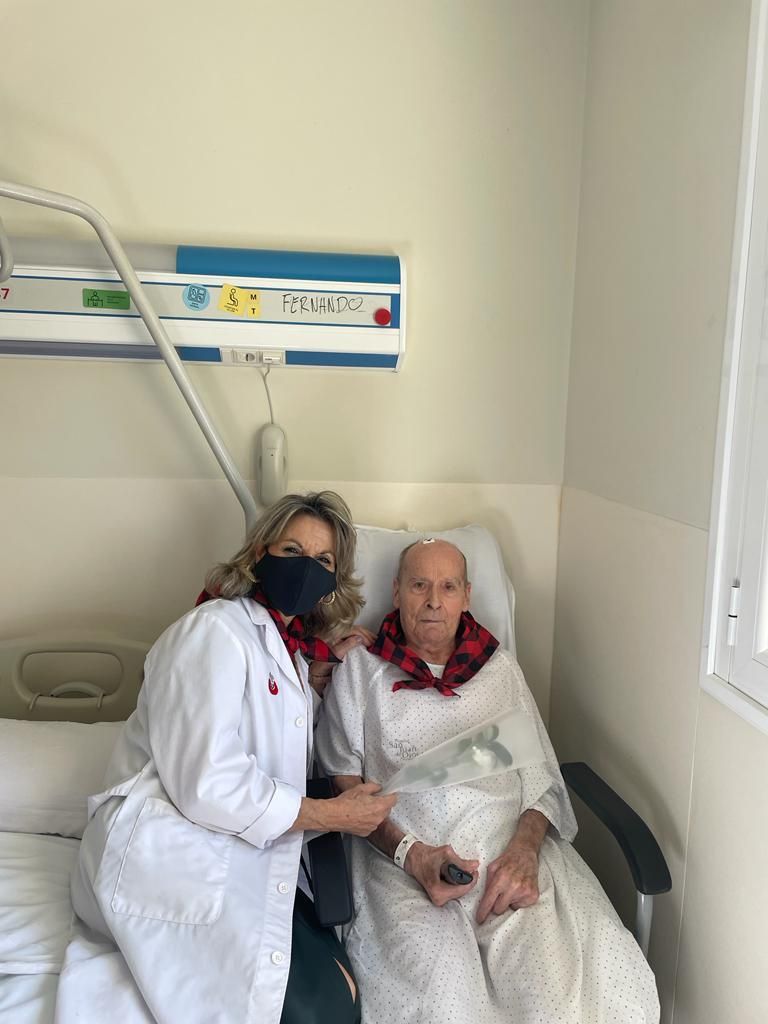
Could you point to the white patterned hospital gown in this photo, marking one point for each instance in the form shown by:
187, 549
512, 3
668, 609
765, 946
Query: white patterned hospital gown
566, 960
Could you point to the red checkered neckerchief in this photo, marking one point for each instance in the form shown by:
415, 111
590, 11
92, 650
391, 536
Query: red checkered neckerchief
474, 646
292, 635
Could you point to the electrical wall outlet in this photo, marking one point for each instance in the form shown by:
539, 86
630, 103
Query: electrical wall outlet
253, 356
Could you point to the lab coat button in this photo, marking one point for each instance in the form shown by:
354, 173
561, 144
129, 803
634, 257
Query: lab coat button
299, 721
278, 957
283, 887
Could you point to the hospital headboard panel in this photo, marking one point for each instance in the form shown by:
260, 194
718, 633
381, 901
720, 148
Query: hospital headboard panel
88, 677
493, 597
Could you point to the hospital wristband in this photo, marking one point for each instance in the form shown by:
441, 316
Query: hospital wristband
401, 852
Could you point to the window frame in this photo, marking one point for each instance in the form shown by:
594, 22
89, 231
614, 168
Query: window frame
747, 301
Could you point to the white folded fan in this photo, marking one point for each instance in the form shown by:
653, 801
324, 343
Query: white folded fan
501, 744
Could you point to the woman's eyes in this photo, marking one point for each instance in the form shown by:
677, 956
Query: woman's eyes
291, 549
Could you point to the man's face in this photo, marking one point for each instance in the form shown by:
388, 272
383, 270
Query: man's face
431, 595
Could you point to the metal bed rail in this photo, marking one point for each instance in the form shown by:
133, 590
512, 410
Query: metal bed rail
115, 251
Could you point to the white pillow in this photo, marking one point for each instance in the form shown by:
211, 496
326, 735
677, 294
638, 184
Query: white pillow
492, 601
47, 772
35, 909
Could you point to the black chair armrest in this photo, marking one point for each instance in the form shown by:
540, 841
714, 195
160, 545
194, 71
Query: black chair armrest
328, 867
646, 861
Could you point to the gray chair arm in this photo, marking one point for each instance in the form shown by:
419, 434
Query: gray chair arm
643, 854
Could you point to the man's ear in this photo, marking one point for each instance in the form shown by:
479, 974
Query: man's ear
395, 593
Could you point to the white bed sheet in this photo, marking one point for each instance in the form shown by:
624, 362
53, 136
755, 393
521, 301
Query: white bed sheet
46, 953
28, 998
36, 923
36, 916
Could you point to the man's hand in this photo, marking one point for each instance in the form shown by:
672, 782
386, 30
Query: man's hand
512, 882
424, 863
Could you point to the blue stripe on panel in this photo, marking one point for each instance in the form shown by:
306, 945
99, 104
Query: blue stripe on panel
199, 355
308, 266
84, 349
395, 310
369, 360
91, 350
85, 312
91, 280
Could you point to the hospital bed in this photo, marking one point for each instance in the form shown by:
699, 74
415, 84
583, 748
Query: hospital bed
62, 699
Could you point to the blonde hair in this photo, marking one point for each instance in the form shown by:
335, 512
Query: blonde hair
235, 577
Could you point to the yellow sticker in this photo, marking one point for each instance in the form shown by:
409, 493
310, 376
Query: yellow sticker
252, 303
232, 299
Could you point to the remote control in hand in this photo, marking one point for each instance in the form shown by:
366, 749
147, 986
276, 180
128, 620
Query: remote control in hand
454, 875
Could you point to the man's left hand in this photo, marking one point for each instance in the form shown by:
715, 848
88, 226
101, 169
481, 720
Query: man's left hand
512, 882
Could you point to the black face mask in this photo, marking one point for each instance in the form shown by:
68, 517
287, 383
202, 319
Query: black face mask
295, 584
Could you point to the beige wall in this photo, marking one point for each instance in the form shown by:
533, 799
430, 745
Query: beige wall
625, 683
661, 142
446, 131
721, 976
661, 147
449, 132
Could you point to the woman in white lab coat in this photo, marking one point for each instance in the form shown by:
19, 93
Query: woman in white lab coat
191, 858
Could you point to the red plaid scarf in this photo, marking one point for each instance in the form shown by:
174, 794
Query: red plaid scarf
474, 646
292, 635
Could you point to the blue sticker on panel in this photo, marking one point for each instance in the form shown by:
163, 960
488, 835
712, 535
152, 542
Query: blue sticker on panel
196, 296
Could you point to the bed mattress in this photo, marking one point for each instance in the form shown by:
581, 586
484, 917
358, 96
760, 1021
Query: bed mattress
36, 923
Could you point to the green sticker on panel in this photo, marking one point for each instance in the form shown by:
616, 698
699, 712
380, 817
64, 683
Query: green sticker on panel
100, 298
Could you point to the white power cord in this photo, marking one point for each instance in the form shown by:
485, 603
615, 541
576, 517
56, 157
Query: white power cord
264, 375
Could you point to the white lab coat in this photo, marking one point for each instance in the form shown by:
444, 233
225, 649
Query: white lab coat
186, 862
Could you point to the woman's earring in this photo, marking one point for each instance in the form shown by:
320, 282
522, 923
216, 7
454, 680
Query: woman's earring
329, 598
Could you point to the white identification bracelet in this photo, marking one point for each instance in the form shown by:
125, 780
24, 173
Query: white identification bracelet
403, 847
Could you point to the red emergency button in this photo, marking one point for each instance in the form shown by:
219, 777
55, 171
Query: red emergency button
382, 317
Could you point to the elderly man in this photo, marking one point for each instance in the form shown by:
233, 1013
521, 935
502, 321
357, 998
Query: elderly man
532, 938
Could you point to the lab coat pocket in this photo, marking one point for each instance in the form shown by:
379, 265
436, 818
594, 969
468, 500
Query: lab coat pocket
172, 870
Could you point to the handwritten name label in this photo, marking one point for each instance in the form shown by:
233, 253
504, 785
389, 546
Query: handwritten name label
403, 750
296, 304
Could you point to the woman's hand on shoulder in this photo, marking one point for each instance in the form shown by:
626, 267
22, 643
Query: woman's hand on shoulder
353, 636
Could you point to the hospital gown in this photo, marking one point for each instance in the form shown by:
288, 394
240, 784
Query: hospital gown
566, 960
